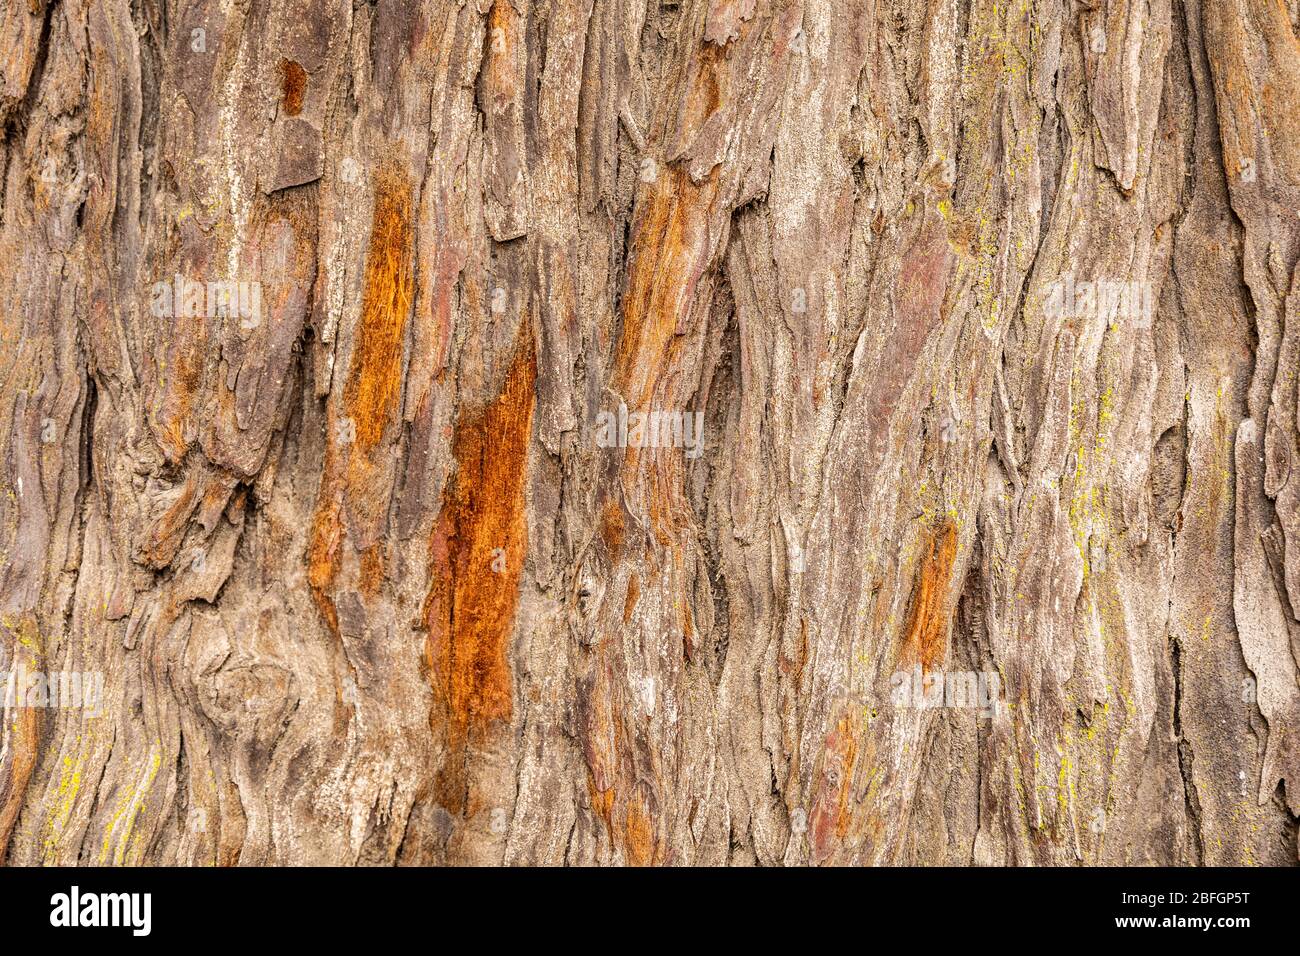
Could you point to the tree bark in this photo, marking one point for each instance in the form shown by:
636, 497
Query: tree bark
368, 576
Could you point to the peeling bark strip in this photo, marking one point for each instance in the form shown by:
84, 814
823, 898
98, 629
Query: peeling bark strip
368, 582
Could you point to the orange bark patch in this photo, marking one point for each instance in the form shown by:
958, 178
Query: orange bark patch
372, 570
612, 527
470, 608
293, 86
639, 832
704, 94
928, 618
830, 815
375, 380
602, 801
371, 393
633, 595
671, 248
601, 731
322, 555
181, 375
671, 252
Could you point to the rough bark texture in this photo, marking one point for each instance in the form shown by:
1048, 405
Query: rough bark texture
365, 587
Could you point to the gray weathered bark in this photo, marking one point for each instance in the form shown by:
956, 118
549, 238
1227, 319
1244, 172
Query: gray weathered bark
364, 582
